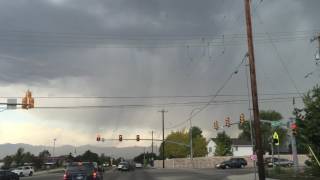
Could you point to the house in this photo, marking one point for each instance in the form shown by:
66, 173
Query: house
211, 148
239, 147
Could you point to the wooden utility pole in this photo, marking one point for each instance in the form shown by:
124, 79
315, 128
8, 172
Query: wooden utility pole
259, 150
152, 143
163, 111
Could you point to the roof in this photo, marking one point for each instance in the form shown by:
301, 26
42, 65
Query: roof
240, 142
237, 142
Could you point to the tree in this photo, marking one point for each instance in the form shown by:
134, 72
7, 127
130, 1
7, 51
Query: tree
104, 159
223, 145
44, 154
7, 162
142, 156
19, 156
196, 131
266, 129
173, 150
309, 129
90, 156
27, 157
199, 146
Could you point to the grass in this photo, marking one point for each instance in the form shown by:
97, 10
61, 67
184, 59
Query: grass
289, 173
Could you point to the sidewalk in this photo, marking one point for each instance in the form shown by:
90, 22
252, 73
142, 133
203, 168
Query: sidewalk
245, 177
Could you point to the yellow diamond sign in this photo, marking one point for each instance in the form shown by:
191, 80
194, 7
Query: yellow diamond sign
276, 139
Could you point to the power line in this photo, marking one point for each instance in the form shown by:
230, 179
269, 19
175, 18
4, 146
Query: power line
199, 103
217, 93
151, 97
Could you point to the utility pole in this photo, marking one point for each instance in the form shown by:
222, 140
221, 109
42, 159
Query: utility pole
152, 157
152, 143
259, 150
163, 111
54, 146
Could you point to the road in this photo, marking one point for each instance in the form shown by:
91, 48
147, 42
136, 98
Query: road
158, 174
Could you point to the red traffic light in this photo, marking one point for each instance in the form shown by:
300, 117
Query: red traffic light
98, 138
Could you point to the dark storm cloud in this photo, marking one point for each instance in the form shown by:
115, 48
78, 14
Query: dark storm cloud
81, 47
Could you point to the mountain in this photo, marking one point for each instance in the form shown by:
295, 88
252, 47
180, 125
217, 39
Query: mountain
126, 152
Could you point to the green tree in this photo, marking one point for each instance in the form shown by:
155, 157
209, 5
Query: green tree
309, 129
19, 156
196, 131
179, 151
266, 129
27, 158
199, 146
174, 150
90, 156
7, 162
223, 145
104, 159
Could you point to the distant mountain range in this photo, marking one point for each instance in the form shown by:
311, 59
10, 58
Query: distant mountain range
126, 152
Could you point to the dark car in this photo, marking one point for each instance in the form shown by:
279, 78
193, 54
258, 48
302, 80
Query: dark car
83, 171
282, 162
268, 161
8, 175
232, 163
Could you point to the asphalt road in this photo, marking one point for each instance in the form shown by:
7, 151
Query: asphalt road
158, 174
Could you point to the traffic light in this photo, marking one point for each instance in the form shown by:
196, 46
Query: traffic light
227, 121
24, 103
216, 125
98, 138
28, 101
138, 138
242, 118
294, 128
120, 138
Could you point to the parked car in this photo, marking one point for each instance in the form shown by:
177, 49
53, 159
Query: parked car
268, 161
232, 163
8, 175
83, 171
138, 165
282, 162
24, 171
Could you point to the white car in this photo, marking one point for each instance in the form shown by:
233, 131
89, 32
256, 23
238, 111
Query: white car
138, 165
24, 171
120, 166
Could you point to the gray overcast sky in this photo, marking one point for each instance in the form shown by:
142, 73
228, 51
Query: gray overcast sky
146, 48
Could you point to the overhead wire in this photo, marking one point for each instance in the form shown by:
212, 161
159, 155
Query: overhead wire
150, 97
283, 64
215, 95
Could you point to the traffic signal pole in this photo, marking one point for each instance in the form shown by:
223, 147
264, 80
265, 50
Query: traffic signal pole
294, 148
259, 150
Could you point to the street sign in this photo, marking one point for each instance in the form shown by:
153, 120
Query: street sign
276, 138
275, 123
253, 157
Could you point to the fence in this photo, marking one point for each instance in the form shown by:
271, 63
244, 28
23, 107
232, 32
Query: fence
210, 162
